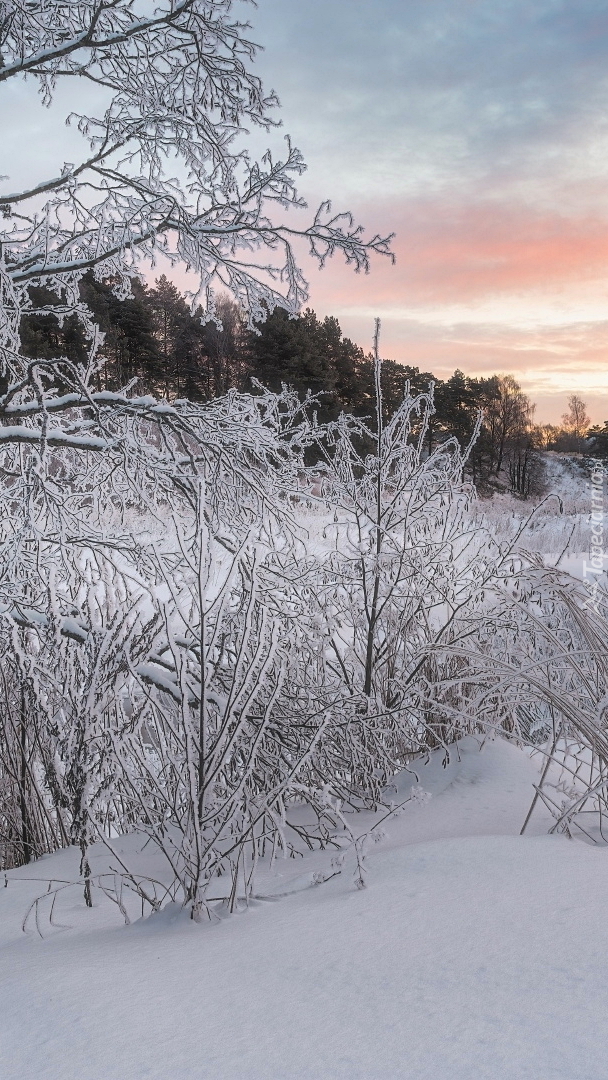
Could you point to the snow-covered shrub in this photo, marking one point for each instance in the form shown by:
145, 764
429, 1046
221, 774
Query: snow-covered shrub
181, 659
225, 714
192, 669
81, 537
550, 656
402, 574
535, 664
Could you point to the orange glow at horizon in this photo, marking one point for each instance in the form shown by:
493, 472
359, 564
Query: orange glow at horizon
485, 288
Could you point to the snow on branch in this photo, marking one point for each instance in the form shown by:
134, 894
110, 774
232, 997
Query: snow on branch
52, 437
180, 86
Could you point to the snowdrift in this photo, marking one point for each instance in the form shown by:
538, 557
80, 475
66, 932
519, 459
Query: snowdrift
472, 952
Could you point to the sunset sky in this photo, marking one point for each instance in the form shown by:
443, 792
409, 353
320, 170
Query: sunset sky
477, 131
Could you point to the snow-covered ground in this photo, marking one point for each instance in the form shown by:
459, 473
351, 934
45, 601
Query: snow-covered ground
472, 953
559, 520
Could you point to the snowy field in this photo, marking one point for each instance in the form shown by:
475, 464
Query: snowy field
472, 952
559, 519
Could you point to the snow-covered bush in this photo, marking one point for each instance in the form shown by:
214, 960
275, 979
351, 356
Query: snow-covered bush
187, 666
403, 574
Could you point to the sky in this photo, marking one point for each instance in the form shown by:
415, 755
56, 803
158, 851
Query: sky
477, 131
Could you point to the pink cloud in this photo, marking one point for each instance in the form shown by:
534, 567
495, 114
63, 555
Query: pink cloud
511, 259
454, 254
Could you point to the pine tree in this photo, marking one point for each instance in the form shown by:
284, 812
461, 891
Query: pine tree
43, 337
290, 351
599, 440
456, 408
171, 314
130, 348
345, 360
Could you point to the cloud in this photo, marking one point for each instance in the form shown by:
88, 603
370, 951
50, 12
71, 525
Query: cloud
403, 98
487, 288
453, 254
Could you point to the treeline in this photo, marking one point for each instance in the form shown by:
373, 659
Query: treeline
154, 338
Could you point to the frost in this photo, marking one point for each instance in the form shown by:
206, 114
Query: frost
420, 796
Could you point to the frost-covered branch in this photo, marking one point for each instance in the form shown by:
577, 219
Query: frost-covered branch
176, 85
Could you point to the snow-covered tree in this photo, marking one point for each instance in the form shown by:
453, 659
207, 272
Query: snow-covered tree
176, 92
